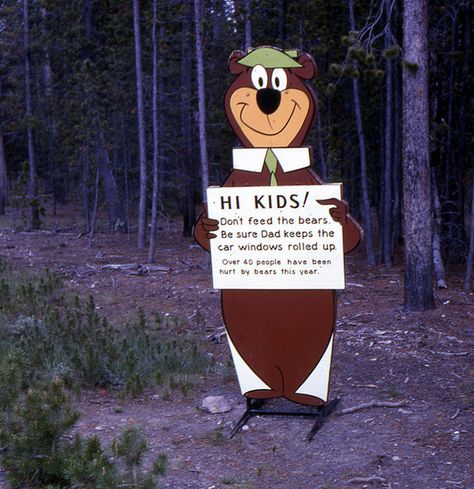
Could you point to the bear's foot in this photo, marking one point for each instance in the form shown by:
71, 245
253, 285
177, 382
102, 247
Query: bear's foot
262, 394
305, 399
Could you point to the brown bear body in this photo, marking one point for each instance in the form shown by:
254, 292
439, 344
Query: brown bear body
280, 334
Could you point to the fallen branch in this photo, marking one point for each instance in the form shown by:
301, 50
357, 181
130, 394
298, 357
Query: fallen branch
362, 480
136, 268
372, 404
450, 353
122, 266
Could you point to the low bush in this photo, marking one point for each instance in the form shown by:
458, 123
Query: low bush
45, 334
51, 342
37, 454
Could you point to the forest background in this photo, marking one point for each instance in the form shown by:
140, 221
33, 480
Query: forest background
119, 105
112, 118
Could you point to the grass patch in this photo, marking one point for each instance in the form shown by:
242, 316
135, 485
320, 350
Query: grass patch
51, 342
45, 334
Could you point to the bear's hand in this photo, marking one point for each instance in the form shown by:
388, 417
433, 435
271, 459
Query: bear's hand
209, 225
339, 212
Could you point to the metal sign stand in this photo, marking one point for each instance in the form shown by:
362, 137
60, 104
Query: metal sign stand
320, 413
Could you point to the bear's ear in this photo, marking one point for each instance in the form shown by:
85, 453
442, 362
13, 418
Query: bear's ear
234, 67
308, 69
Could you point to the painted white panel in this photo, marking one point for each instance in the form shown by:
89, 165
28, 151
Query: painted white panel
317, 384
248, 379
249, 159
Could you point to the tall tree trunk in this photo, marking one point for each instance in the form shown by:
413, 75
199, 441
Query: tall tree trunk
322, 159
387, 197
301, 28
248, 24
282, 11
117, 222
437, 256
126, 165
470, 255
85, 190
187, 159
95, 208
396, 161
201, 99
451, 182
141, 127
418, 217
32, 179
366, 215
154, 209
48, 89
3, 176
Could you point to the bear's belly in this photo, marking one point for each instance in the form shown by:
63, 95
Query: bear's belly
284, 329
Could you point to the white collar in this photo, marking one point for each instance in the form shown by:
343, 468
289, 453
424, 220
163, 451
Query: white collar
252, 159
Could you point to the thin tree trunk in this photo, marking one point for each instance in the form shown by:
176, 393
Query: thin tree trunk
387, 198
470, 255
282, 11
141, 127
201, 99
366, 215
248, 24
112, 196
329, 127
154, 209
418, 217
32, 183
301, 28
187, 160
450, 170
126, 160
3, 177
437, 257
48, 86
396, 161
322, 159
96, 206
85, 190
381, 199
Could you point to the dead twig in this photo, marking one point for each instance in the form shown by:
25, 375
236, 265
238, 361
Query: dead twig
450, 353
372, 404
362, 480
456, 414
136, 268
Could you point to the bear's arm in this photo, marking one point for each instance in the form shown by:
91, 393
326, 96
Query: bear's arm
351, 230
199, 232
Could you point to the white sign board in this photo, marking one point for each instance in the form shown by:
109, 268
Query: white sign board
276, 238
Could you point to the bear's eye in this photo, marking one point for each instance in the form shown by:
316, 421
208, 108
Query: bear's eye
259, 77
279, 79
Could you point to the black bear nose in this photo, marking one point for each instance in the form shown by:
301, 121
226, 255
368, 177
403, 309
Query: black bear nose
268, 100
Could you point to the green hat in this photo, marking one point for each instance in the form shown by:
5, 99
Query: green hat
270, 58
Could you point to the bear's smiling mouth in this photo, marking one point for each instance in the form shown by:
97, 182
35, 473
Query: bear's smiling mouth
244, 104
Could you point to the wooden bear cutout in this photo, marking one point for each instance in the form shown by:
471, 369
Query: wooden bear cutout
281, 340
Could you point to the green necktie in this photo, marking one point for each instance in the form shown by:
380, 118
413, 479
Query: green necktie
271, 162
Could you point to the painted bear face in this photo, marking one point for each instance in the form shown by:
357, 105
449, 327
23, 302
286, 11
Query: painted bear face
269, 105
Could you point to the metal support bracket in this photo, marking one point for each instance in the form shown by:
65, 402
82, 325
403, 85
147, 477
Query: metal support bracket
320, 413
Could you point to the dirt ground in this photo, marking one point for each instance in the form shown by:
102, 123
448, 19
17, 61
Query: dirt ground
382, 353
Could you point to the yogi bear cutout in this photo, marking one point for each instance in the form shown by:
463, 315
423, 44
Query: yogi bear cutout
281, 340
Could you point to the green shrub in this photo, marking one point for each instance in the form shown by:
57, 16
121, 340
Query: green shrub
36, 454
46, 335
50, 341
